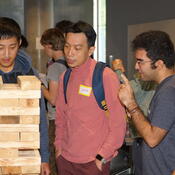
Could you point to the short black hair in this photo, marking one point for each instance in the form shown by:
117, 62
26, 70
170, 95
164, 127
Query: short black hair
158, 46
24, 42
87, 29
54, 37
63, 25
9, 28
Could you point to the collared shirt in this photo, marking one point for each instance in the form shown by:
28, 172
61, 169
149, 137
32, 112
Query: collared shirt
82, 128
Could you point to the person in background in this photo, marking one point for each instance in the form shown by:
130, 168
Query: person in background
53, 42
86, 137
155, 59
63, 25
12, 65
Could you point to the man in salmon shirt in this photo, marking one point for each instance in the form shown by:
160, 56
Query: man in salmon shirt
86, 138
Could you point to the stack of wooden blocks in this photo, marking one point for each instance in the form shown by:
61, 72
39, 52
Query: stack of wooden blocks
19, 127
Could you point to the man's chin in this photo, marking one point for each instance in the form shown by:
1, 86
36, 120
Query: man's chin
144, 78
71, 65
6, 67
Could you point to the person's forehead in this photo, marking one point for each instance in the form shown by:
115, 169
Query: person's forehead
140, 52
8, 41
47, 46
76, 38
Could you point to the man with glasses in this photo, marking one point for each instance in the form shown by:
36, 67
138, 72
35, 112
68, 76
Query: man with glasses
143, 92
155, 59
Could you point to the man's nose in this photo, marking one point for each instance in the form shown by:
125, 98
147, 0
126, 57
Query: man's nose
136, 66
70, 52
6, 52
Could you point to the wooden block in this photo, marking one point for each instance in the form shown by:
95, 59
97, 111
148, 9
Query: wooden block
8, 94
9, 102
12, 110
8, 153
26, 153
29, 136
9, 136
19, 135
30, 169
17, 170
33, 144
29, 119
25, 158
23, 103
11, 91
29, 82
19, 128
19, 102
9, 120
7, 170
10, 86
28, 161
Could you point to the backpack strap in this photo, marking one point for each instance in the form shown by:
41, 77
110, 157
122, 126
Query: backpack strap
65, 82
97, 85
62, 62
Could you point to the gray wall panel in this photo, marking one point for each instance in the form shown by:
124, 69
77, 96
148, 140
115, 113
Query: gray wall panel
38, 18
73, 10
121, 13
13, 9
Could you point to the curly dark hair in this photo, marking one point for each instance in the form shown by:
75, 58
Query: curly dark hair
158, 46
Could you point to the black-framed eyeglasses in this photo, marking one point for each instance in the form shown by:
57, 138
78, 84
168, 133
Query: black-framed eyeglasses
141, 62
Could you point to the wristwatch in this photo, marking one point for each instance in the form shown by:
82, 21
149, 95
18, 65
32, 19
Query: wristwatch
100, 158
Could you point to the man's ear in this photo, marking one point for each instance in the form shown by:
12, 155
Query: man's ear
20, 41
159, 64
91, 50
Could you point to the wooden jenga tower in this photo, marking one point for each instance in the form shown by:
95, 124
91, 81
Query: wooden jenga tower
19, 127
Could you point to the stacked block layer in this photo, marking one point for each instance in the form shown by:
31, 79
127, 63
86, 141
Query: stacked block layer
19, 126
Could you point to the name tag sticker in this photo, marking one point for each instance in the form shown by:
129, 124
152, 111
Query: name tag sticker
85, 90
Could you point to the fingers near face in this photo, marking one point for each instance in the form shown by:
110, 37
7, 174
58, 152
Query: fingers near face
125, 80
